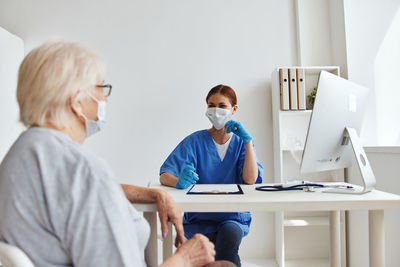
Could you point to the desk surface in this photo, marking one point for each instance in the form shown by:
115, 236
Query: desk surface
253, 200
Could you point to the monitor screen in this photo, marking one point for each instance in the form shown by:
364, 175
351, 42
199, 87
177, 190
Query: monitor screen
339, 103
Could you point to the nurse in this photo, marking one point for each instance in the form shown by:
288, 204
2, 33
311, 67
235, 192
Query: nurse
223, 154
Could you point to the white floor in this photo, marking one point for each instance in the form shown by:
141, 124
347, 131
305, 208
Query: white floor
288, 263
308, 263
259, 263
272, 263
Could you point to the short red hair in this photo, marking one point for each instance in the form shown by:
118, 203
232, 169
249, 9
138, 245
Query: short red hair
224, 90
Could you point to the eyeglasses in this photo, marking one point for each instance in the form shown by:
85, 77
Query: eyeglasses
106, 89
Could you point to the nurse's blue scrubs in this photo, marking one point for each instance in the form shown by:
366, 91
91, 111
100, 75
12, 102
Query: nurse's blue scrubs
199, 149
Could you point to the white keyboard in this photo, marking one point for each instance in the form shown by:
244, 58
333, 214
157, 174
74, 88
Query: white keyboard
344, 190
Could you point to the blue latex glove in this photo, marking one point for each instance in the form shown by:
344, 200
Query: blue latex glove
238, 129
187, 177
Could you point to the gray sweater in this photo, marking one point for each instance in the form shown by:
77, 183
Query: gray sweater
63, 206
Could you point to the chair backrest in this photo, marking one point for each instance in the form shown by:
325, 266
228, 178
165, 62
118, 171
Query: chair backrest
11, 256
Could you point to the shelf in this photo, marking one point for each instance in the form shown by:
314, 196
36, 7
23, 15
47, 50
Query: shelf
290, 129
312, 69
289, 149
307, 263
295, 112
382, 149
306, 221
317, 70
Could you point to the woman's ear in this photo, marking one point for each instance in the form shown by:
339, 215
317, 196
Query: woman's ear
234, 109
76, 105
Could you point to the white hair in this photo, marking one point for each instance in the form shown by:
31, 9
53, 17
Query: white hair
49, 75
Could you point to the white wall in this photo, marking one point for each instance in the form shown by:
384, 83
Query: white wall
385, 164
313, 25
387, 70
11, 54
372, 37
163, 57
338, 35
372, 31
321, 34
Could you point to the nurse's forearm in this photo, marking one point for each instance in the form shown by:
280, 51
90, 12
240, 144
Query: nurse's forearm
250, 169
138, 194
168, 179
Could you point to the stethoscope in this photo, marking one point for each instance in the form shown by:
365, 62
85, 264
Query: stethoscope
308, 187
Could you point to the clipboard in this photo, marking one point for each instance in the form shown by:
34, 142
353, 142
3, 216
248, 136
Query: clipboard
219, 189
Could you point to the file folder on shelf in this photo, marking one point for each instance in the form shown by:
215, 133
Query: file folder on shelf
293, 89
301, 89
284, 88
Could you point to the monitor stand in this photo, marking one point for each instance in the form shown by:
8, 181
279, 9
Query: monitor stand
367, 174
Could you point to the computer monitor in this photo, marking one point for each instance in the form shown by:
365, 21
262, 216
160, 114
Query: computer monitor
332, 140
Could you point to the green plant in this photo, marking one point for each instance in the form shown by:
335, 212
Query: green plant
311, 98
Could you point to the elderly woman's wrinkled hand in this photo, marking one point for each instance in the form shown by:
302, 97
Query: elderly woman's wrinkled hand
197, 251
168, 211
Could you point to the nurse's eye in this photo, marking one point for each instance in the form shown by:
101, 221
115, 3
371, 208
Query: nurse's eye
211, 105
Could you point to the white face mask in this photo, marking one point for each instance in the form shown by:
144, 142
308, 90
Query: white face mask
218, 117
92, 126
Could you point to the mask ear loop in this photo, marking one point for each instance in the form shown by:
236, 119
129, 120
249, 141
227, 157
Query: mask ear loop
83, 115
92, 97
80, 112
98, 104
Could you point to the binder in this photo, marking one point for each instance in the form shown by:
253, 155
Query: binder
284, 88
301, 89
293, 89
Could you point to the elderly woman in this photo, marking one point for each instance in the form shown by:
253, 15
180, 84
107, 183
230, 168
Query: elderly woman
61, 204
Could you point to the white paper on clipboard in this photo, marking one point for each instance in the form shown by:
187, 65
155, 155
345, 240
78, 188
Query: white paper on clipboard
215, 188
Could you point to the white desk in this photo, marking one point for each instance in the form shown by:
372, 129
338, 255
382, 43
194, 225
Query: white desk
375, 202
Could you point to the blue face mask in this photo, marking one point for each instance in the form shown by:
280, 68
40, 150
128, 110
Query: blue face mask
92, 126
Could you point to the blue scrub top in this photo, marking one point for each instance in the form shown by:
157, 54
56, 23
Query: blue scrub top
199, 150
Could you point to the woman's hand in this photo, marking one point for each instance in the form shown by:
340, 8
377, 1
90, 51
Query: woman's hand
238, 129
187, 177
198, 251
168, 211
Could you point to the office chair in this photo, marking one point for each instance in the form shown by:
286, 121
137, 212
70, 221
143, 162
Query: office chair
11, 256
